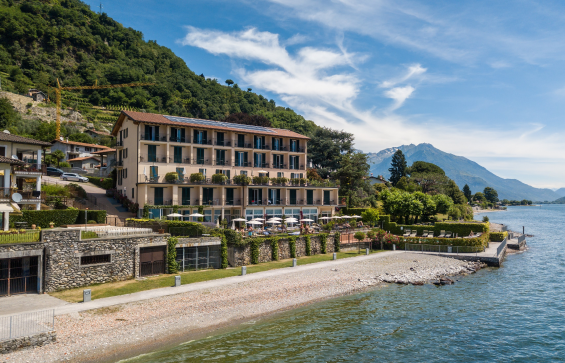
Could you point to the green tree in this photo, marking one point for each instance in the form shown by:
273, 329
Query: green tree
353, 183
453, 191
442, 202
467, 192
491, 195
370, 216
229, 82
327, 147
82, 138
420, 167
431, 183
8, 115
58, 155
479, 197
398, 167
428, 205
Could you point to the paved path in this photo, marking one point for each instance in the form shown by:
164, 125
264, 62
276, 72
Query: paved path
68, 308
103, 201
18, 304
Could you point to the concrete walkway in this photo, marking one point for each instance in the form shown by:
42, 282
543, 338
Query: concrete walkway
17, 304
68, 308
489, 256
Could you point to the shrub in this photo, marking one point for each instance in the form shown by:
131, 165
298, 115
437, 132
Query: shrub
497, 236
196, 177
55, 190
98, 216
172, 255
64, 164
76, 190
87, 235
360, 236
280, 180
308, 245
92, 222
224, 252
337, 241
104, 183
219, 178
303, 181
292, 246
241, 179
260, 179
42, 218
485, 218
371, 234
254, 249
172, 177
323, 242
274, 248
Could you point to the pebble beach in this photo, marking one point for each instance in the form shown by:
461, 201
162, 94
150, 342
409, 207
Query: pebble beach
122, 331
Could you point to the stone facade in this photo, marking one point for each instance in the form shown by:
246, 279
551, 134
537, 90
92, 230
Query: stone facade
62, 249
241, 256
37, 340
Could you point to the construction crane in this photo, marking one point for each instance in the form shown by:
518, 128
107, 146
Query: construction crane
96, 86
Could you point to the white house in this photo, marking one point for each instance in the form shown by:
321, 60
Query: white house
75, 149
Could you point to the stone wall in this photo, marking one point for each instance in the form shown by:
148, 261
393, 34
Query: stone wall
37, 340
64, 250
241, 256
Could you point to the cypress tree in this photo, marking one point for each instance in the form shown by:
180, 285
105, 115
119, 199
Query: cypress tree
467, 192
398, 167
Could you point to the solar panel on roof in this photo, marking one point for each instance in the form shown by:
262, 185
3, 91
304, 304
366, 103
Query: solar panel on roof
219, 124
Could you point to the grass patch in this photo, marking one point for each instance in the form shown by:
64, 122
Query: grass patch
100, 291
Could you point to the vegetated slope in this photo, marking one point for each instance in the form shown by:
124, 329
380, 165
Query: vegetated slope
559, 201
561, 192
41, 41
462, 171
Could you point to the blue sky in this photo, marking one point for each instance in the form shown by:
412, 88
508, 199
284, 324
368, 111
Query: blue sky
481, 79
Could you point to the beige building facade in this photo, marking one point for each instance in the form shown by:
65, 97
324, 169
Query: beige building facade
149, 146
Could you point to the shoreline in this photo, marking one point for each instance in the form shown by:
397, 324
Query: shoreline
475, 212
129, 330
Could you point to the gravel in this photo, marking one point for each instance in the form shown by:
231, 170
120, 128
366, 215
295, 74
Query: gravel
130, 329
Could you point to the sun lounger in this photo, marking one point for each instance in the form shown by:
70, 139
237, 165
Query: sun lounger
425, 233
406, 233
442, 234
414, 233
448, 234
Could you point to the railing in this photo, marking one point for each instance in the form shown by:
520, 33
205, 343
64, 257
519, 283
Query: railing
262, 147
280, 148
522, 238
201, 162
185, 140
280, 166
261, 165
501, 247
296, 149
242, 163
28, 324
28, 236
233, 202
222, 142
27, 195
223, 163
202, 142
30, 169
151, 137
119, 143
110, 231
443, 248
185, 179
120, 163
145, 158
243, 145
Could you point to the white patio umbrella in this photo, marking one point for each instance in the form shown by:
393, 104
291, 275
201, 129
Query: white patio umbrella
275, 219
325, 217
239, 220
274, 222
356, 217
258, 219
336, 217
292, 220
306, 220
254, 222
346, 217
172, 215
263, 171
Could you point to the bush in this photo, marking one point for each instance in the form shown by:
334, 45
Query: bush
292, 246
92, 222
337, 241
196, 177
76, 190
280, 180
371, 234
260, 180
104, 183
323, 242
219, 178
485, 218
87, 235
241, 179
55, 190
497, 236
64, 164
308, 245
274, 248
360, 236
172, 177
42, 218
98, 216
172, 255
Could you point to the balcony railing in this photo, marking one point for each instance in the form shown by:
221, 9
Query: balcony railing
223, 163
184, 140
30, 169
151, 137
280, 166
242, 145
296, 149
242, 163
202, 141
262, 147
260, 165
6, 195
119, 143
201, 162
280, 148
185, 179
119, 163
153, 159
233, 201
222, 142
160, 202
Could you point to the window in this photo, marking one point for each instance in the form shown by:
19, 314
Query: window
243, 172
177, 154
132, 193
221, 157
87, 149
95, 259
241, 158
125, 153
152, 153
125, 173
185, 196
125, 133
158, 196
202, 171
2, 150
240, 140
201, 137
200, 156
151, 133
280, 174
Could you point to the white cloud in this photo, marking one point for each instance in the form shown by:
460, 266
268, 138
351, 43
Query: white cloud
399, 95
413, 71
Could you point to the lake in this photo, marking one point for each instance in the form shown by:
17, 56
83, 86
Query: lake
515, 313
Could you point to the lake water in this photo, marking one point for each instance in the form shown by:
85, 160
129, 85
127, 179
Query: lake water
515, 313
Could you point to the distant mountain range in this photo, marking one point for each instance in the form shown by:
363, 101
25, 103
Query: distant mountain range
462, 171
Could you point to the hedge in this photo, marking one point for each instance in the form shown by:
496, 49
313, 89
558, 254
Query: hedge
274, 248
308, 245
353, 211
175, 228
461, 228
481, 241
172, 264
498, 236
93, 215
337, 241
323, 242
104, 183
292, 246
41, 218
224, 253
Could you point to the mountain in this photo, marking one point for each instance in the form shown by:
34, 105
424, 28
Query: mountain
45, 40
462, 171
561, 192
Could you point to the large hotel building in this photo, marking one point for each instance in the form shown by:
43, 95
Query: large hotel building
151, 145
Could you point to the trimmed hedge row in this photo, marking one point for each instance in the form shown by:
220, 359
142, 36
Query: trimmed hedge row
42, 218
462, 229
105, 183
175, 228
93, 215
498, 236
353, 211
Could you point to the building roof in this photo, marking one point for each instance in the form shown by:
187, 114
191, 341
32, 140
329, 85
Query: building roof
22, 140
84, 158
5, 160
105, 151
153, 118
68, 142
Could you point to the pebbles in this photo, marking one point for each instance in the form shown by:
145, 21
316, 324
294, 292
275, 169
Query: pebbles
147, 325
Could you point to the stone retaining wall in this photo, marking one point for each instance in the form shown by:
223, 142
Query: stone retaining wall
37, 340
241, 256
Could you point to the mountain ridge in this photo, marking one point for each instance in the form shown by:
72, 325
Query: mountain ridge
461, 170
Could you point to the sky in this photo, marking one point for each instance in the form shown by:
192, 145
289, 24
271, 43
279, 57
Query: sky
481, 79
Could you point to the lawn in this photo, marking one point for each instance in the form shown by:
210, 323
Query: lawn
100, 291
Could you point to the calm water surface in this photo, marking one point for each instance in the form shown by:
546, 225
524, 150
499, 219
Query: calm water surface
515, 313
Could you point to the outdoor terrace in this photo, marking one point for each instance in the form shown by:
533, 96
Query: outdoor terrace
30, 169
185, 180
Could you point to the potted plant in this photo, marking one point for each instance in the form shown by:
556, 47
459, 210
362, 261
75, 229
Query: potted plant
257, 180
303, 181
219, 178
172, 177
241, 179
196, 178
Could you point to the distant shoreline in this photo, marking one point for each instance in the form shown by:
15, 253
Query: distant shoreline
475, 212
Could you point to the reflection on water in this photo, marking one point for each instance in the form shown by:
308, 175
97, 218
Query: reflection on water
514, 313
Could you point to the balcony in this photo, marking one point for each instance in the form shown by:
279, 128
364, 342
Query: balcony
223, 163
150, 137
28, 196
119, 143
280, 148
262, 147
296, 149
233, 202
242, 145
201, 162
145, 158
222, 142
30, 169
202, 142
280, 166
119, 163
258, 181
261, 165
160, 202
245, 164
183, 140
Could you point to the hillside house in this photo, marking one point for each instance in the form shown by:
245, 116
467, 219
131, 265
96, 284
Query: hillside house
84, 163
74, 149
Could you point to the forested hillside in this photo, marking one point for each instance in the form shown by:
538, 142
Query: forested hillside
41, 41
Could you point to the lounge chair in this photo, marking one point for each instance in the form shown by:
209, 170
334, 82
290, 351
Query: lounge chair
448, 234
425, 233
414, 233
441, 234
406, 233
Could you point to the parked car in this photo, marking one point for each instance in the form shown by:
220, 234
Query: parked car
54, 171
73, 176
